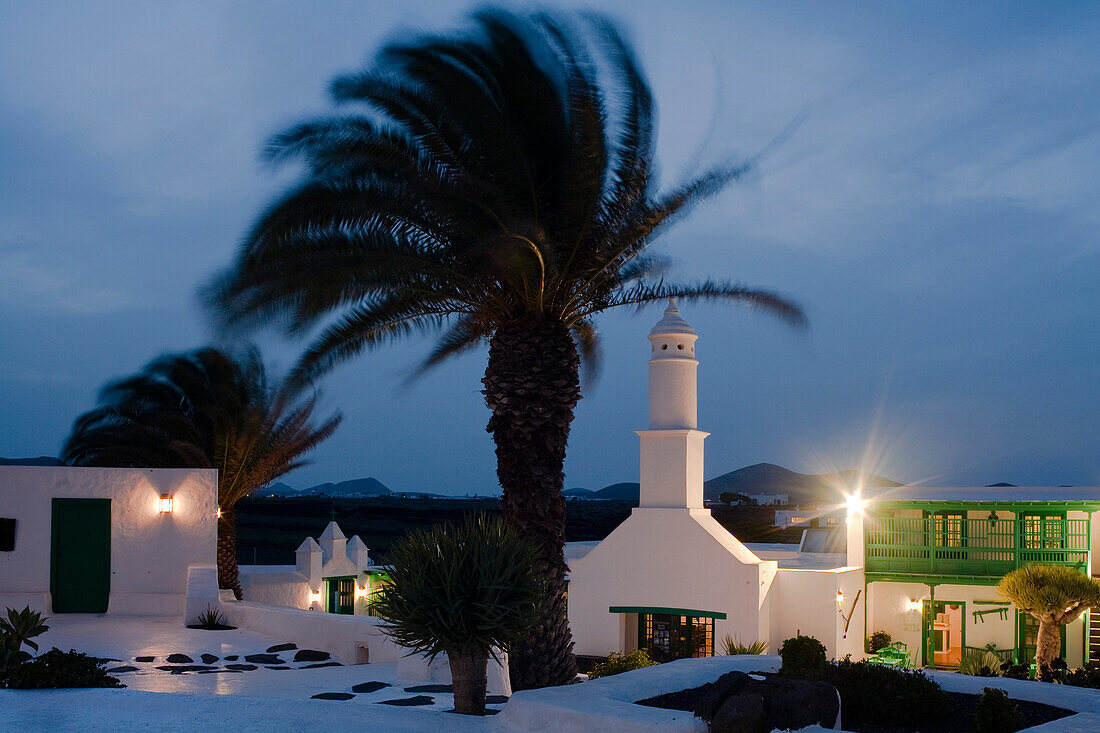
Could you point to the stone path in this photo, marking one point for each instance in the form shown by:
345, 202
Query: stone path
180, 663
421, 700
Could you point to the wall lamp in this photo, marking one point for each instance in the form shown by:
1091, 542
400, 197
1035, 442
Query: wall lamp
912, 605
165, 504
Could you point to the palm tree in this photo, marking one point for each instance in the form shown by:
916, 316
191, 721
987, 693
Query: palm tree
487, 189
1054, 595
465, 590
203, 409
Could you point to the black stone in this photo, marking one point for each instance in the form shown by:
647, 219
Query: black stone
332, 696
311, 655
409, 701
221, 671
321, 664
431, 688
181, 668
120, 670
263, 659
278, 667
241, 667
281, 648
179, 659
232, 658
209, 659
145, 659
369, 686
496, 699
726, 685
741, 714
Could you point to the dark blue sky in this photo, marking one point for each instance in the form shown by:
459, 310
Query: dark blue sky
935, 213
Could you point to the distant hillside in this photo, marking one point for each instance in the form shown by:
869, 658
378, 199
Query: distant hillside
767, 478
277, 489
40, 461
762, 478
625, 491
369, 486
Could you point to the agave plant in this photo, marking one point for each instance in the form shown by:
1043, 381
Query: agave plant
15, 631
465, 591
731, 646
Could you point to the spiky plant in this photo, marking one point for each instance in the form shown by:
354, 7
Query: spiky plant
1055, 595
16, 631
203, 409
490, 186
464, 590
731, 646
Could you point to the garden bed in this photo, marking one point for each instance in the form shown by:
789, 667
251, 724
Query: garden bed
961, 719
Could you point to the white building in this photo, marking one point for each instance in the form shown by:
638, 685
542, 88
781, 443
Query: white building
671, 578
107, 540
330, 574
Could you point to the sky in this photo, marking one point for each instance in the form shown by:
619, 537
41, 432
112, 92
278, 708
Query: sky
933, 209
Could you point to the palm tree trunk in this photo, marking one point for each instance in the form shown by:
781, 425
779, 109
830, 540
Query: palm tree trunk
532, 387
1048, 644
468, 680
228, 576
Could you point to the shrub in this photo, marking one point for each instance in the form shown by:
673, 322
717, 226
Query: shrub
983, 664
732, 646
996, 713
878, 640
15, 631
1087, 676
617, 663
56, 669
1056, 671
211, 619
872, 694
1015, 671
803, 657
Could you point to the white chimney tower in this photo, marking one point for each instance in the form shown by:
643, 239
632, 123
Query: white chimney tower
672, 448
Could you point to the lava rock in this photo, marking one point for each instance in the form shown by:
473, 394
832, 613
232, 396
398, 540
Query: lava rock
232, 658
181, 668
741, 714
409, 701
726, 685
496, 699
369, 686
209, 659
281, 648
241, 667
321, 664
145, 659
120, 670
179, 659
281, 667
263, 659
332, 696
311, 655
431, 688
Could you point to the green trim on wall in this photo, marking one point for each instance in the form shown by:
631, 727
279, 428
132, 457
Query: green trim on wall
669, 611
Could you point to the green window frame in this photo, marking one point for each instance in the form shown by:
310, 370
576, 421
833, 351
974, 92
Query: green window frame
341, 594
950, 529
1042, 531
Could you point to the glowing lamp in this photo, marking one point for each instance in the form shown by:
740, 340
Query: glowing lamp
840, 598
314, 597
219, 513
361, 591
912, 605
855, 505
165, 504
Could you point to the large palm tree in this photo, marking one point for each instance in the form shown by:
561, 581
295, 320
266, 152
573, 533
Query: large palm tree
495, 185
203, 409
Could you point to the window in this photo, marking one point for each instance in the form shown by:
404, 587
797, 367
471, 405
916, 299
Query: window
950, 529
7, 535
667, 636
1042, 531
797, 520
341, 595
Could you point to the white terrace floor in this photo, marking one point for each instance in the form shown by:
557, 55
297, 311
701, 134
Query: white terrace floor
269, 699
261, 698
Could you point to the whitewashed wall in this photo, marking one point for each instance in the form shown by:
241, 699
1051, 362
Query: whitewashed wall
276, 585
670, 558
150, 551
805, 601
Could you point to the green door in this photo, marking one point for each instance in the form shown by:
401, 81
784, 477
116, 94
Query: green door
80, 559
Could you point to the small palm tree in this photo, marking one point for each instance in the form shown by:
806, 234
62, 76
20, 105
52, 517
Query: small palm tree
203, 409
493, 186
1055, 596
466, 591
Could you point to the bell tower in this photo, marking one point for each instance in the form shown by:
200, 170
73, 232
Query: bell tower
672, 447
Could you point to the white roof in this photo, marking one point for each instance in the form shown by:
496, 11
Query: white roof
672, 322
991, 493
789, 558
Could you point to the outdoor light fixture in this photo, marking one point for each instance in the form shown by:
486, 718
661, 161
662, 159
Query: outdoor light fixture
840, 598
912, 605
219, 514
314, 597
855, 505
165, 504
361, 591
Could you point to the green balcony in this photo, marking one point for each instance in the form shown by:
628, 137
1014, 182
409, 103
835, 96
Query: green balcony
950, 545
